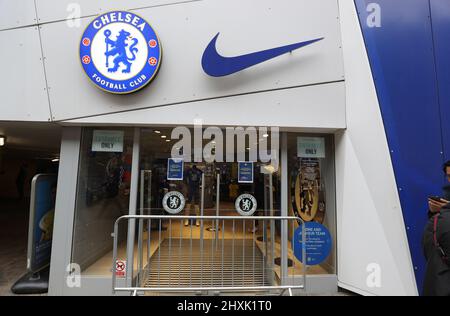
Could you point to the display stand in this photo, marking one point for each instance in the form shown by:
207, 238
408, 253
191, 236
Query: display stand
32, 283
42, 204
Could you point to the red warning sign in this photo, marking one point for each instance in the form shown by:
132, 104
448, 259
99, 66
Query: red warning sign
121, 268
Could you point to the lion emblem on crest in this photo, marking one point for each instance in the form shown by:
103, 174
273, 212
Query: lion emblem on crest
118, 48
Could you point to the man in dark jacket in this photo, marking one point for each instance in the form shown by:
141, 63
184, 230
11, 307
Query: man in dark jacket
436, 245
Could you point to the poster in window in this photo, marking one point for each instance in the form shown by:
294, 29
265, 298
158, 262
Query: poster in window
307, 195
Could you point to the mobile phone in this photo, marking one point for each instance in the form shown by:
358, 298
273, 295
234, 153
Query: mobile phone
435, 198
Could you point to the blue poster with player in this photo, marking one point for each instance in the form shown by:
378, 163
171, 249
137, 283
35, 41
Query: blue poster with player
42, 211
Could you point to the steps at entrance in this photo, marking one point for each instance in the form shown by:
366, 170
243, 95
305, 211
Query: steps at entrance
210, 263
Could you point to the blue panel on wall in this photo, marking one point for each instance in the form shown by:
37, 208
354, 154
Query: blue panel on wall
440, 13
402, 61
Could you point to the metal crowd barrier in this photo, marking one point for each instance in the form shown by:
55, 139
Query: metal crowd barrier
233, 258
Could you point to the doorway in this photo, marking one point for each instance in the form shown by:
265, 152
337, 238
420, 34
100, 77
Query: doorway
167, 250
27, 149
195, 252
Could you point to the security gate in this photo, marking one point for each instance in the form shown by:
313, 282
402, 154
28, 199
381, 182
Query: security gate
180, 259
186, 264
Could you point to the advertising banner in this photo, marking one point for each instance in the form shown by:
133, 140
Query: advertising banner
40, 231
307, 191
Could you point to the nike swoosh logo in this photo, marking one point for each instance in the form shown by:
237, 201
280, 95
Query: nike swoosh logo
216, 65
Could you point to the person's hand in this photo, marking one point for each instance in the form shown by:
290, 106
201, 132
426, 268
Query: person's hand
436, 206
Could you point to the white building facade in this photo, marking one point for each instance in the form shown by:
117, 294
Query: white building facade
325, 90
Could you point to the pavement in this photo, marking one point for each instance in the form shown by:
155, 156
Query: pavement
13, 243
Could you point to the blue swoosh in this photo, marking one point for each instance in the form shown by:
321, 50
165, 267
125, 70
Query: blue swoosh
216, 65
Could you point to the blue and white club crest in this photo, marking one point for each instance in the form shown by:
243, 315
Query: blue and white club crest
120, 52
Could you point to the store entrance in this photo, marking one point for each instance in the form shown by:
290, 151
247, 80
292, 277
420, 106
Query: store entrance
206, 223
194, 252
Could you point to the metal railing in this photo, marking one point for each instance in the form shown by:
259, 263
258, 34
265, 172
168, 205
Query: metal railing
237, 256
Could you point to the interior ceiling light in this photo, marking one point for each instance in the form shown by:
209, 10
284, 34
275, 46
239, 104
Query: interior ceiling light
2, 141
163, 136
157, 132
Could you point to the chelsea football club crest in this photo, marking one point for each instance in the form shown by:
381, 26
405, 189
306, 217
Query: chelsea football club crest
245, 204
120, 52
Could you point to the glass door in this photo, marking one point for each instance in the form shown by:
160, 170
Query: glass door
178, 247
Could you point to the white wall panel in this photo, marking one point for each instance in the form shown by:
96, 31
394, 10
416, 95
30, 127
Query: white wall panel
55, 10
17, 13
185, 30
64, 210
370, 221
317, 107
22, 81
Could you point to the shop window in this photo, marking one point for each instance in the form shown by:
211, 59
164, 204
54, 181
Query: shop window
311, 196
103, 192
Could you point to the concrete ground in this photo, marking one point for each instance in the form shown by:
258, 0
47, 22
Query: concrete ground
13, 243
